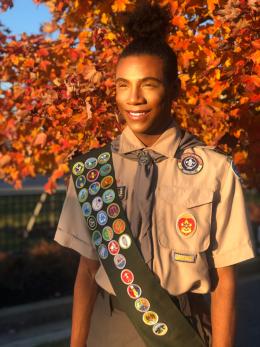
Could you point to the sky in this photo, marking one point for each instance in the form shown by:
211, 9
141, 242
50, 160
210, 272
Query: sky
25, 16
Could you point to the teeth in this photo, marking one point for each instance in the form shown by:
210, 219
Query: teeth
137, 113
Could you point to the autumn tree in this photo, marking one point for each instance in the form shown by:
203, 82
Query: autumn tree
57, 94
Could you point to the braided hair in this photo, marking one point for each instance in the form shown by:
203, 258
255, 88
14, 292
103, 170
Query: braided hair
149, 26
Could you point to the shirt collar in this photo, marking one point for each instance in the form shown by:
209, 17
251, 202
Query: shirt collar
167, 144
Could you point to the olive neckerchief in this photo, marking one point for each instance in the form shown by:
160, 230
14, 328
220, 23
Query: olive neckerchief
149, 306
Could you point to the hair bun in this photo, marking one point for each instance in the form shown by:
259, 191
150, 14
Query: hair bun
147, 21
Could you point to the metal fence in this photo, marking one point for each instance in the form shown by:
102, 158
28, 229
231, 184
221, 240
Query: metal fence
27, 216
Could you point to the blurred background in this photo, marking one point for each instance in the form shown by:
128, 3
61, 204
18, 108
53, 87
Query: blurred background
54, 60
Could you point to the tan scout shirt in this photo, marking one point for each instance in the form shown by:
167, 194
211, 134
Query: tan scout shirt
213, 197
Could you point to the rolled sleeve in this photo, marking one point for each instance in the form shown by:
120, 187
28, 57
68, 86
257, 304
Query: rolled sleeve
72, 230
232, 237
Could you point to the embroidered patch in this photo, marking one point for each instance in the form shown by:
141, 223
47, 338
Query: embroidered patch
92, 175
103, 158
190, 163
119, 226
113, 210
142, 305
105, 170
186, 225
122, 192
107, 182
107, 233
91, 163
134, 291
83, 195
108, 196
160, 329
102, 218
92, 222
86, 209
97, 203
127, 277
94, 188
103, 251
80, 181
78, 168
119, 261
96, 238
150, 318
186, 258
125, 241
113, 247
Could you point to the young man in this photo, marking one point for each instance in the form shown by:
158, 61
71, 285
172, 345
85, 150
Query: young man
186, 212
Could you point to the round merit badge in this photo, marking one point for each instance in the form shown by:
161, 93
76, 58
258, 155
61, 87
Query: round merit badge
127, 277
186, 224
92, 222
150, 318
119, 226
113, 210
160, 329
125, 241
94, 188
108, 196
96, 238
92, 175
97, 203
102, 218
78, 168
103, 158
86, 209
190, 163
83, 195
107, 182
142, 305
107, 233
119, 261
113, 247
91, 163
102, 251
134, 291
80, 182
105, 169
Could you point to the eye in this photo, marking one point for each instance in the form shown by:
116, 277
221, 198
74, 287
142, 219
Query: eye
149, 84
121, 85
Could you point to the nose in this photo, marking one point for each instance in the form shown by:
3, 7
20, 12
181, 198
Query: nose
136, 96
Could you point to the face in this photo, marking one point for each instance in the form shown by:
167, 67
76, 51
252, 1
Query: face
142, 94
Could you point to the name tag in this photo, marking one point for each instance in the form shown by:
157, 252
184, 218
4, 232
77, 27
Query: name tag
186, 258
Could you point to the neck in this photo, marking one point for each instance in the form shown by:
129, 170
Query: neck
149, 139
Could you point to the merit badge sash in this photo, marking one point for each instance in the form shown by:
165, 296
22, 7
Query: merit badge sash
149, 306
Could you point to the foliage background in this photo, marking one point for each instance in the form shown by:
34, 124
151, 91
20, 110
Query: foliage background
57, 95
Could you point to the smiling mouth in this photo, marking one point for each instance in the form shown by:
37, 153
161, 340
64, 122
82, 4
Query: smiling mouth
137, 115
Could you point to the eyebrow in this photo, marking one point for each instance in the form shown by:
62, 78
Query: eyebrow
120, 79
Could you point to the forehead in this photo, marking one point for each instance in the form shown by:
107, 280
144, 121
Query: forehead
140, 66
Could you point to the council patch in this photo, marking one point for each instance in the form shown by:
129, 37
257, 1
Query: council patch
190, 163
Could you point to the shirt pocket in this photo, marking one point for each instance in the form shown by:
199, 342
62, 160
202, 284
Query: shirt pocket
184, 218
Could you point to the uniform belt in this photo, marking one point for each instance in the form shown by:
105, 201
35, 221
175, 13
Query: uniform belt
115, 304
